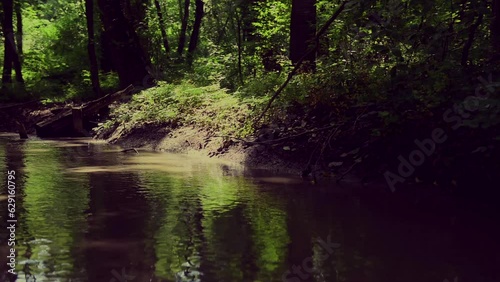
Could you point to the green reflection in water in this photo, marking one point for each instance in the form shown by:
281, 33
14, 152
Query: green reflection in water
54, 220
270, 235
167, 218
218, 225
169, 192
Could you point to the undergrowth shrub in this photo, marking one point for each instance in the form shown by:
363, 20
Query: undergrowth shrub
209, 107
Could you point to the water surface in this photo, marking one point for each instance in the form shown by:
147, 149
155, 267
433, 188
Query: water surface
88, 212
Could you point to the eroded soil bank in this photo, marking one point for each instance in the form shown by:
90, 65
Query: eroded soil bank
192, 139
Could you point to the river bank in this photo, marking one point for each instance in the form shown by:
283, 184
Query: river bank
425, 152
201, 141
362, 143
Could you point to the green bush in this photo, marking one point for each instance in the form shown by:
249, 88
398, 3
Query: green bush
209, 107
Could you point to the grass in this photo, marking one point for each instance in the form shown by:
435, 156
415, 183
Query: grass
209, 107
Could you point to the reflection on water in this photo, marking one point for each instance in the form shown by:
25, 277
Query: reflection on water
89, 212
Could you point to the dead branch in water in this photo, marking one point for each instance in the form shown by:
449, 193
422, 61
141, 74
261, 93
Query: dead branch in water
130, 150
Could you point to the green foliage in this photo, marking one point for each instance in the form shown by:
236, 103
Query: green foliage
262, 86
273, 25
54, 43
218, 67
109, 81
39, 57
185, 103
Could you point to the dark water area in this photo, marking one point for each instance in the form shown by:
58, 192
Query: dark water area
86, 211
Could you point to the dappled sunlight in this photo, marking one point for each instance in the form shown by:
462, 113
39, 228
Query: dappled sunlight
171, 163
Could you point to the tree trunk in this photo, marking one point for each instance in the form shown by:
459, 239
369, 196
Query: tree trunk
162, 28
184, 23
470, 40
303, 31
105, 61
240, 49
249, 16
19, 30
180, 9
7, 63
11, 57
195, 34
94, 69
495, 31
127, 55
135, 12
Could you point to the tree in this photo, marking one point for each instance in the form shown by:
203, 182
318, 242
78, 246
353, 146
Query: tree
195, 34
11, 56
19, 29
248, 17
240, 46
127, 55
470, 40
184, 22
105, 62
94, 69
162, 27
303, 31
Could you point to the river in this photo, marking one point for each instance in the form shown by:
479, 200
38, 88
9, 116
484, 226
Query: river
85, 211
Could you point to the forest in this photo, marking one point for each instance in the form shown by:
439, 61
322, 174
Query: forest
400, 91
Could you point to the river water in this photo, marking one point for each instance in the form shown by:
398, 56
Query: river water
86, 211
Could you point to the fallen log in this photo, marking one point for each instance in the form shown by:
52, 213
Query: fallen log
69, 122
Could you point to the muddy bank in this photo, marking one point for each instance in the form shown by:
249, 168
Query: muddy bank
201, 141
